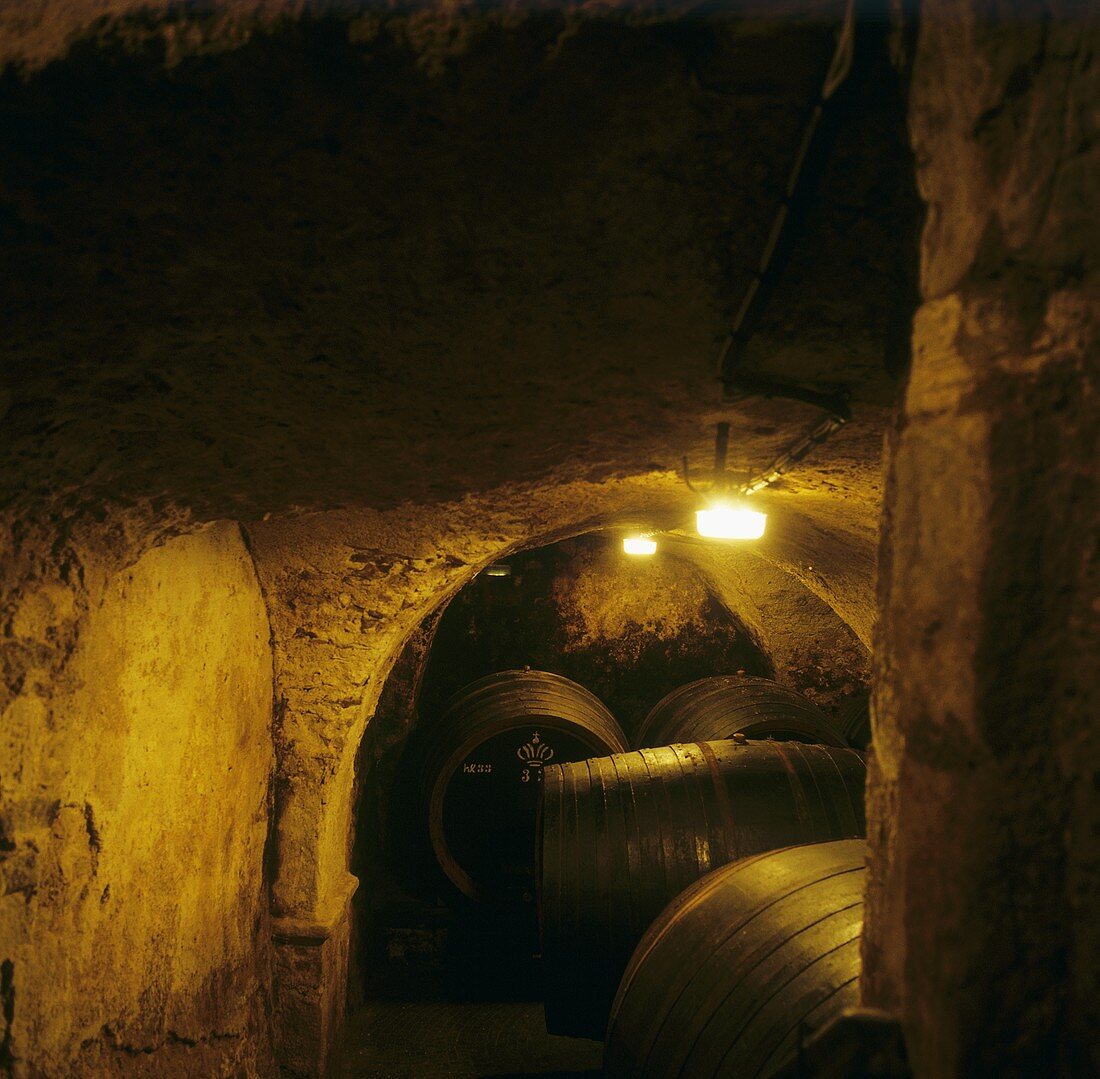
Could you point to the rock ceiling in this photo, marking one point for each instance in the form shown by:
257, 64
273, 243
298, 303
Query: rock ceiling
319, 265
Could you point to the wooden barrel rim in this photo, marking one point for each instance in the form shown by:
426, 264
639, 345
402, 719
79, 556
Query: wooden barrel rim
848, 858
447, 862
698, 891
825, 733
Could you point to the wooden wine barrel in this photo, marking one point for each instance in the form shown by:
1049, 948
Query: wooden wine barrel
742, 965
620, 836
483, 768
715, 708
854, 720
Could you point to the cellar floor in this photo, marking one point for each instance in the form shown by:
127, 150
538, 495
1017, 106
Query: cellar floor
451, 998
472, 1039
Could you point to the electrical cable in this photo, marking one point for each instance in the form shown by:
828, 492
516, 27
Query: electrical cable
805, 171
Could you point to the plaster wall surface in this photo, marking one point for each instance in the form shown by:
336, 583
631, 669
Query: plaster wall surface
135, 785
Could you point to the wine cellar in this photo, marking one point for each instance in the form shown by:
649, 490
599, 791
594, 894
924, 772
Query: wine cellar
549, 538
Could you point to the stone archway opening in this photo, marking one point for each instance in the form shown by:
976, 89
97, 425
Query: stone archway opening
629, 630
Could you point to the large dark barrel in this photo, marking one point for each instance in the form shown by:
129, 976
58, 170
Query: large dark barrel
742, 965
621, 836
483, 769
729, 704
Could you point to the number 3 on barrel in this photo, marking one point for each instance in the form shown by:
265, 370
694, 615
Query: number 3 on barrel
534, 755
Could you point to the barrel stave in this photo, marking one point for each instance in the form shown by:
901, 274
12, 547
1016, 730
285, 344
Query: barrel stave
737, 969
821, 989
694, 993
650, 823
854, 720
481, 719
712, 709
765, 1006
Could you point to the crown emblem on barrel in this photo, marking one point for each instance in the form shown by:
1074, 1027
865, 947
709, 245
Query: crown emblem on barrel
535, 753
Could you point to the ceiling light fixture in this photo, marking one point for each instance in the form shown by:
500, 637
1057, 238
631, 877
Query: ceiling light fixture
639, 545
723, 517
729, 521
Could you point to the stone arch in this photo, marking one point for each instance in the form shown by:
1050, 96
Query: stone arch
345, 588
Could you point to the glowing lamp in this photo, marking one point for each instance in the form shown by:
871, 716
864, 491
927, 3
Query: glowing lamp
723, 521
499, 569
639, 545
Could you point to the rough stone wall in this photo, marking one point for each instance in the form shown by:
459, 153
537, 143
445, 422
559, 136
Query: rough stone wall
983, 925
811, 647
438, 30
135, 784
628, 629
607, 597
670, 601
305, 273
